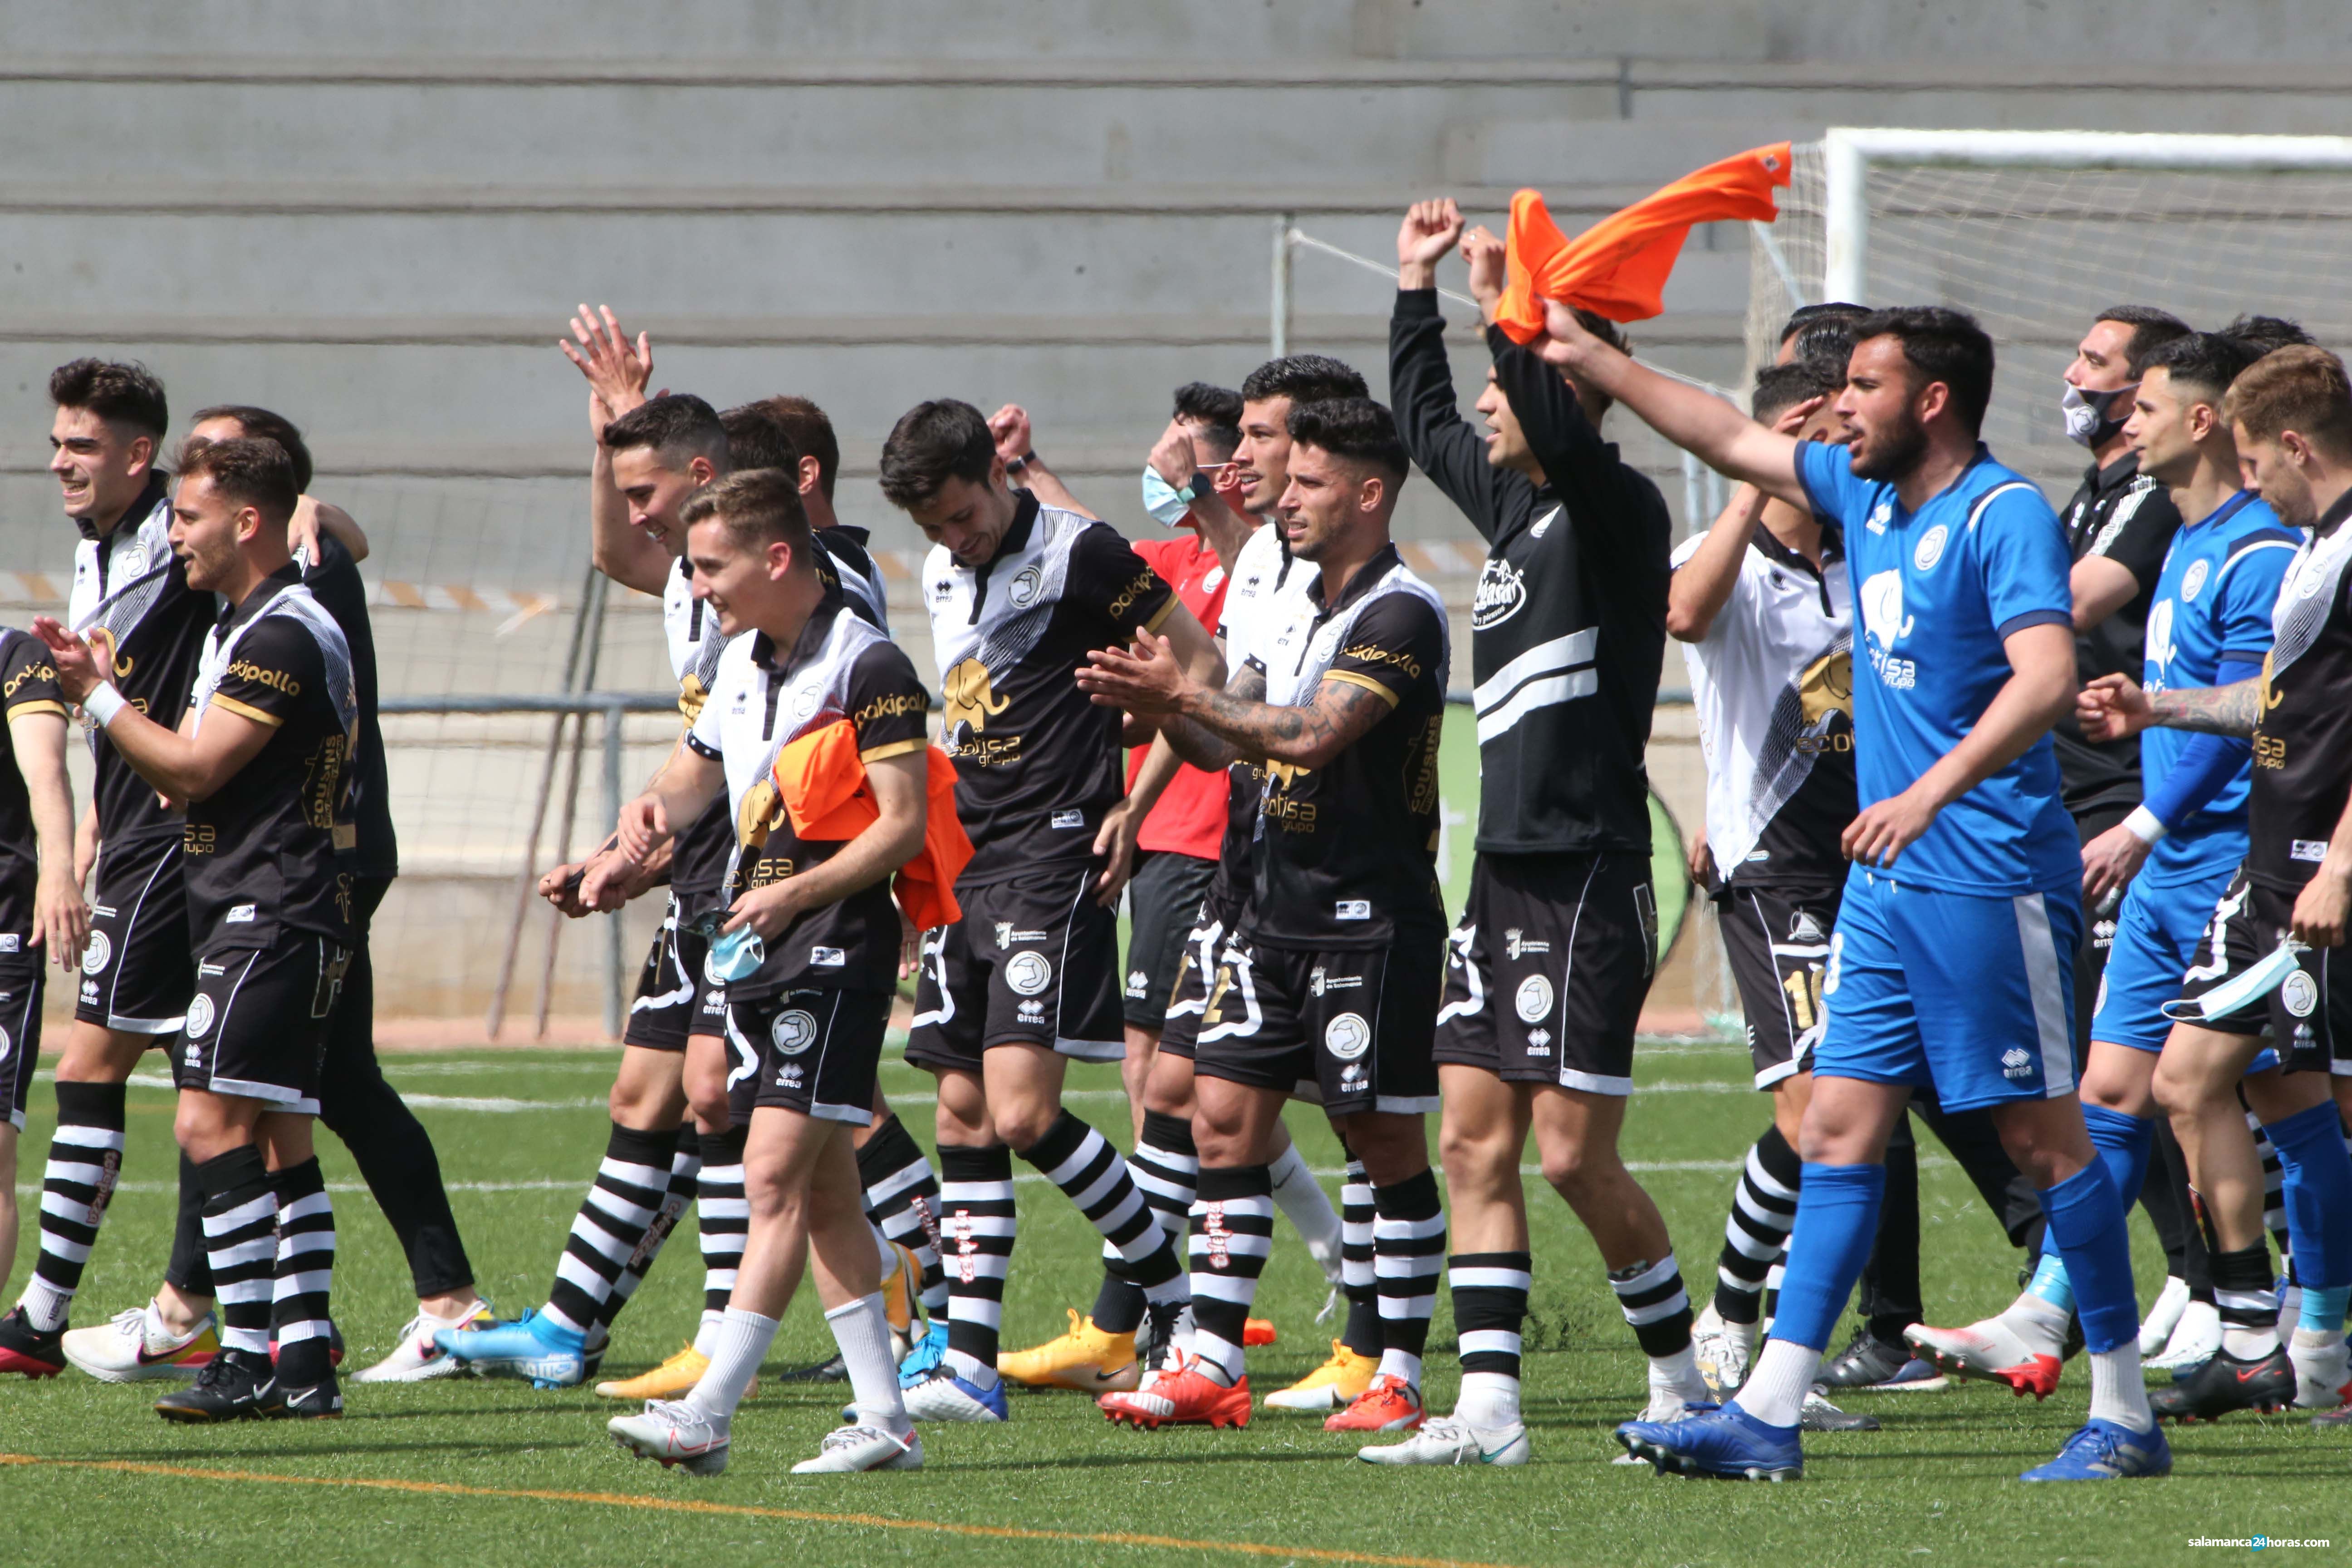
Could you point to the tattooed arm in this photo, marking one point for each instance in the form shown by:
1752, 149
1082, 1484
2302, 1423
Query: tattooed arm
2114, 706
1212, 728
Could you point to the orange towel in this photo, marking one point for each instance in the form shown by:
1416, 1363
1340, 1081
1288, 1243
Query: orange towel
823, 782
1618, 267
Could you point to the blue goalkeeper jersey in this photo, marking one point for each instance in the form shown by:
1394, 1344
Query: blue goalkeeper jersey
2213, 602
1935, 593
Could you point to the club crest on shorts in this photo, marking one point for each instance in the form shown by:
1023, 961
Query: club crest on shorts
95, 957
1534, 999
794, 1031
1028, 972
200, 1015
1348, 1036
1804, 928
2300, 992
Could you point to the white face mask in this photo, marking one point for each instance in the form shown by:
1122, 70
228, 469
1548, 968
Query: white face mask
2086, 414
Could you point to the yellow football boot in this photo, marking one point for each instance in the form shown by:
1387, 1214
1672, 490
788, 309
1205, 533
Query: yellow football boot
900, 1303
671, 1380
1087, 1359
1334, 1386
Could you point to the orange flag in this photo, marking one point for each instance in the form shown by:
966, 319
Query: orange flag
1618, 267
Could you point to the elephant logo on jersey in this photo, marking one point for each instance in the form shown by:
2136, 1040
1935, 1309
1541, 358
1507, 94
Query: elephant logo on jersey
1826, 687
762, 813
970, 699
1886, 623
691, 696
2159, 647
101, 642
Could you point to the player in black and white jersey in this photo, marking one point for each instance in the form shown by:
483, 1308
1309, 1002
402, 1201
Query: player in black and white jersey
1019, 594
802, 671
1558, 944
393, 1152
1333, 980
2267, 978
41, 911
902, 1189
259, 763
131, 594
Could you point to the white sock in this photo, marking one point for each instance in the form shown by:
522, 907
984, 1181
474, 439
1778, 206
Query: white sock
46, 1306
706, 1334
1489, 1399
863, 1333
2040, 1325
1397, 1363
2118, 1391
737, 1349
1678, 1375
2249, 1344
1308, 1209
1775, 1390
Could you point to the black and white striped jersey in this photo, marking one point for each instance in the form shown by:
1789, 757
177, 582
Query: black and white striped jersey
2127, 518
1773, 684
1346, 853
1259, 592
271, 849
1568, 632
698, 856
2303, 742
1037, 763
131, 594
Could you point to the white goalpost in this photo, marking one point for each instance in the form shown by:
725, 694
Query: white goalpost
2033, 232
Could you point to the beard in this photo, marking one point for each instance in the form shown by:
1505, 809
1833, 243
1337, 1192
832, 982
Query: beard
1895, 453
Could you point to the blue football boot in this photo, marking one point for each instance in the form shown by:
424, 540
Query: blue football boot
1724, 1441
532, 1346
2107, 1451
925, 1357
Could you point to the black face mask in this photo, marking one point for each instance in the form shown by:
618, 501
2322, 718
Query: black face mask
2088, 414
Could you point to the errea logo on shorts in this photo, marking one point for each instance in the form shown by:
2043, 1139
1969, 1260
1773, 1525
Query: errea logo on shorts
2016, 1062
2312, 849
238, 914
1353, 909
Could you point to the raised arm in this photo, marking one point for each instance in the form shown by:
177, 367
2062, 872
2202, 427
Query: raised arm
1016, 444
1442, 443
1702, 586
619, 373
1700, 423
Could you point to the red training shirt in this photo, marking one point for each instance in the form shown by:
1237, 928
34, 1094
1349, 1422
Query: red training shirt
1189, 818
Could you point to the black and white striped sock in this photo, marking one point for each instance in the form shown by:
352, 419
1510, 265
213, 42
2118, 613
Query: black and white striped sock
1361, 1333
2274, 1193
1165, 1170
305, 1274
85, 1161
2245, 1294
722, 1215
610, 1228
1081, 1162
1409, 1253
902, 1199
1763, 1209
1233, 1233
1651, 1297
1490, 1304
976, 1235
240, 1226
677, 1197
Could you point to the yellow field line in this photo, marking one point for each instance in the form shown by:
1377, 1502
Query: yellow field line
741, 1510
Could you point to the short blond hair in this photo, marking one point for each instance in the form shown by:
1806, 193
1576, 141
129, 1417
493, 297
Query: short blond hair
2302, 389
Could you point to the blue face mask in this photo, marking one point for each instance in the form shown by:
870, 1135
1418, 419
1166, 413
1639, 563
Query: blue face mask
1167, 504
734, 955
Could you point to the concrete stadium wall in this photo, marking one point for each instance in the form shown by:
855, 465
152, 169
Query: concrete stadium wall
377, 219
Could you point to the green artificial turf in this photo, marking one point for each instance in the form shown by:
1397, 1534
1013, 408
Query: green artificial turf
1936, 1486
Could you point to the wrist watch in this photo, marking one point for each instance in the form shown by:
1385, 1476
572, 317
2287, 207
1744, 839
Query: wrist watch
1014, 465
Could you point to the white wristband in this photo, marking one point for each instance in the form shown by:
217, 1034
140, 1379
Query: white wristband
103, 703
2145, 825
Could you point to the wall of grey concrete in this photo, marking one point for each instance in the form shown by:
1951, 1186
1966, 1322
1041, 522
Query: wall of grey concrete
377, 219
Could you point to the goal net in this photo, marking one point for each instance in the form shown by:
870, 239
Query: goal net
2035, 232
